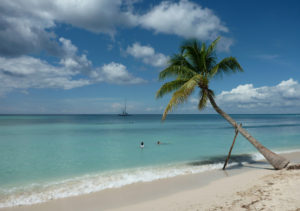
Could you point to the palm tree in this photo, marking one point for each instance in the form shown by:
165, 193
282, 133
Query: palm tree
195, 66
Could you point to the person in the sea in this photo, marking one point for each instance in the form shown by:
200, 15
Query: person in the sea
142, 145
158, 142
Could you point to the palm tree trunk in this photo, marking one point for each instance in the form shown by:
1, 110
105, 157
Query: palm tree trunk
229, 153
277, 161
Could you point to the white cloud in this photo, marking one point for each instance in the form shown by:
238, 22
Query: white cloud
147, 54
139, 51
193, 100
23, 27
72, 71
224, 44
28, 72
283, 96
71, 60
100, 16
115, 73
28, 25
183, 18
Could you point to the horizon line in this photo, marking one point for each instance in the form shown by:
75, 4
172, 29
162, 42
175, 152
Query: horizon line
147, 114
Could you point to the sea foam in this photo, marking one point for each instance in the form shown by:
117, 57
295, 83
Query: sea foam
89, 183
37, 193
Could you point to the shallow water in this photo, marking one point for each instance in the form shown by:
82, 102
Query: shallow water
53, 156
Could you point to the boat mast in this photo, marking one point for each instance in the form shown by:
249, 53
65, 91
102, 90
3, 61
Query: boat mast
125, 107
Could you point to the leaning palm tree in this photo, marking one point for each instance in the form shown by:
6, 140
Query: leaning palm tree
195, 66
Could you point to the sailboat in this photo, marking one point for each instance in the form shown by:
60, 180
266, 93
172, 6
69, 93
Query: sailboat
124, 113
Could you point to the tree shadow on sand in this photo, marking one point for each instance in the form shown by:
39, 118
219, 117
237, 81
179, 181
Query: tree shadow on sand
237, 161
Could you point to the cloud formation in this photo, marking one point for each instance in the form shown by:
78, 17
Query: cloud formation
285, 95
28, 72
115, 73
183, 18
147, 54
22, 29
29, 25
27, 28
72, 71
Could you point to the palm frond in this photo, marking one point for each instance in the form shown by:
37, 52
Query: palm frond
227, 65
193, 53
210, 61
203, 59
213, 45
193, 57
182, 94
203, 47
210, 57
177, 70
194, 67
179, 59
170, 86
214, 70
187, 43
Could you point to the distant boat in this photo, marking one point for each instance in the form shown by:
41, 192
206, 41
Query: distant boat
124, 113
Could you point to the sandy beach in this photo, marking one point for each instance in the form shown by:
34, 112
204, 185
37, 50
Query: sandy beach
254, 190
247, 187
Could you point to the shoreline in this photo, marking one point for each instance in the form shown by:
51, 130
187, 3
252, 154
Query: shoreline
159, 191
93, 183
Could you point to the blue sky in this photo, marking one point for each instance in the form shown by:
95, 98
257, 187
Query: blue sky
89, 56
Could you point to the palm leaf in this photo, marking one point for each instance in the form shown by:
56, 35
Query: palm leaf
182, 94
179, 59
193, 54
210, 58
194, 66
213, 45
186, 44
169, 87
227, 65
176, 70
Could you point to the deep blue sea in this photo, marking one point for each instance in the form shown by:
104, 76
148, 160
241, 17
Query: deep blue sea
43, 157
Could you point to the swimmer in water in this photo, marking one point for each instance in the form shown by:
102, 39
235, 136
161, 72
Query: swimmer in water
142, 145
158, 142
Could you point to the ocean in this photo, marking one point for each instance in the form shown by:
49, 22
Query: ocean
44, 157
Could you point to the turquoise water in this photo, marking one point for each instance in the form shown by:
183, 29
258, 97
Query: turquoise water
53, 156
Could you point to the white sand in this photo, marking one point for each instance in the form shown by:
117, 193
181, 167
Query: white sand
255, 190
